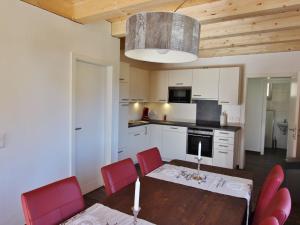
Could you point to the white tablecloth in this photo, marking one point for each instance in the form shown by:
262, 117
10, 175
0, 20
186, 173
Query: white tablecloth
99, 214
218, 183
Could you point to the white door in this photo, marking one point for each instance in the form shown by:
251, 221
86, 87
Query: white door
293, 117
89, 123
255, 114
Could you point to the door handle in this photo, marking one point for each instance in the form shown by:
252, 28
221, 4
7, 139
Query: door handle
78, 128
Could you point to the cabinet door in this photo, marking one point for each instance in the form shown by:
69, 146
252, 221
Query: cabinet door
229, 86
205, 83
155, 132
124, 72
123, 125
139, 85
223, 158
124, 92
180, 78
159, 86
174, 143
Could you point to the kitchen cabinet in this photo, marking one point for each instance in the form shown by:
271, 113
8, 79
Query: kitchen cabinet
159, 86
224, 152
124, 92
124, 72
180, 78
174, 141
205, 83
139, 85
138, 141
229, 86
155, 139
123, 125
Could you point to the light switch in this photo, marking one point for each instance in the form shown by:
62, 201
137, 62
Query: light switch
2, 139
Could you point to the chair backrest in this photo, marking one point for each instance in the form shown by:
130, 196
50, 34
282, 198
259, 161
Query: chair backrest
269, 221
279, 207
53, 203
118, 175
149, 160
268, 190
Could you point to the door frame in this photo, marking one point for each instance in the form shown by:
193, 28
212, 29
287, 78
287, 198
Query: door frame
108, 117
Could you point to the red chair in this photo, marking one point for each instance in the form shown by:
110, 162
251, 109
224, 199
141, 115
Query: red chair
149, 160
279, 207
268, 190
118, 175
53, 203
270, 221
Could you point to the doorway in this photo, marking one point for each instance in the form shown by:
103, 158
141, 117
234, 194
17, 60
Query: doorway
271, 120
91, 121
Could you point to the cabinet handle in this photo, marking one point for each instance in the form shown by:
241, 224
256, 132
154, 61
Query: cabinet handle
225, 146
224, 133
134, 99
174, 128
125, 99
223, 152
197, 95
224, 102
137, 135
162, 100
124, 104
121, 79
120, 152
179, 83
78, 128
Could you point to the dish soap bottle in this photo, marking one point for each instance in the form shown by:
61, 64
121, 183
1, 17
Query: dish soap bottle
223, 119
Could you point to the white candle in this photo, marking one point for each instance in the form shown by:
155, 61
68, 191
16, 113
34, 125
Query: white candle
137, 195
199, 150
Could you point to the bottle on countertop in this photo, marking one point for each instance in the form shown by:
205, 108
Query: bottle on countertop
165, 117
223, 119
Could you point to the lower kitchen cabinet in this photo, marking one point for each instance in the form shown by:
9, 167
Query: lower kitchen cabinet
226, 147
155, 139
174, 141
138, 141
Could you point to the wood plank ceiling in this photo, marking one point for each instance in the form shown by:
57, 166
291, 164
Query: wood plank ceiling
229, 27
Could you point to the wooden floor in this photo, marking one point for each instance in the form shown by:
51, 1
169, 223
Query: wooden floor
259, 165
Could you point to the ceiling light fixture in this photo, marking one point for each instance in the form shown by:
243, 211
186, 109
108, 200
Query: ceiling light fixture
162, 37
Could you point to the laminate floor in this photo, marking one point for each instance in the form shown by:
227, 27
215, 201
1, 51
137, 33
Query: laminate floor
258, 164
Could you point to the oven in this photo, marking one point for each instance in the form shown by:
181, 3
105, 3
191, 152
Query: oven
195, 135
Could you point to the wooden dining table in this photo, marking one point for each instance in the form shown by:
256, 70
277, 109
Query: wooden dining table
166, 203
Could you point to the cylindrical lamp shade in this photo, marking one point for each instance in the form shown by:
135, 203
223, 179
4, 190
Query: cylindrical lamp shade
162, 37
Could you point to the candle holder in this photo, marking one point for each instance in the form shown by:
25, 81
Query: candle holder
135, 214
197, 176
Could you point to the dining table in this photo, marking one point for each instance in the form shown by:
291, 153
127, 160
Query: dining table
167, 203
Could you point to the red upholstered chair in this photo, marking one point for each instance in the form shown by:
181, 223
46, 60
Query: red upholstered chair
118, 175
268, 190
279, 207
270, 221
149, 160
53, 203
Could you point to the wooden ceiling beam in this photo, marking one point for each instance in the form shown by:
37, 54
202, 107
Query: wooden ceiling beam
92, 10
238, 27
252, 39
256, 49
59, 7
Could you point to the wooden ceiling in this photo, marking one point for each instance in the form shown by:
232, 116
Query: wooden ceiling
229, 27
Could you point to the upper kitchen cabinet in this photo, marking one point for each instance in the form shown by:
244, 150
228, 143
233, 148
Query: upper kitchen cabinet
180, 78
159, 86
229, 86
139, 85
205, 83
124, 72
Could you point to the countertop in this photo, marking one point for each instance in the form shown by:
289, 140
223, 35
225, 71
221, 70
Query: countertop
136, 123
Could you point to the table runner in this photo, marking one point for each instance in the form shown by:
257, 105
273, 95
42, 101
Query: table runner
218, 183
99, 214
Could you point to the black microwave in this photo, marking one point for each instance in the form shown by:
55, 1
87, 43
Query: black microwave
180, 94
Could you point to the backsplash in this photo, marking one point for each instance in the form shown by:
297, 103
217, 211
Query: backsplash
179, 112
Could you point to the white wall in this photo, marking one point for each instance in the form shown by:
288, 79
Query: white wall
35, 65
